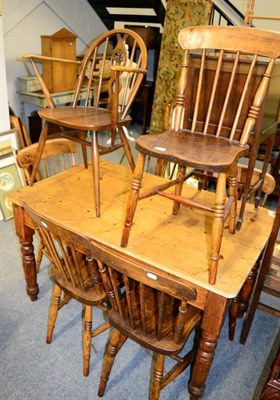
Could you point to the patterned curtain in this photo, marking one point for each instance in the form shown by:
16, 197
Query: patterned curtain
179, 14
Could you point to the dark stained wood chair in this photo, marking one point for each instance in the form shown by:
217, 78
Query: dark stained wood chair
115, 63
241, 304
75, 273
58, 154
197, 143
149, 308
268, 279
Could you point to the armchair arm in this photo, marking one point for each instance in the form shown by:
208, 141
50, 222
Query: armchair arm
45, 58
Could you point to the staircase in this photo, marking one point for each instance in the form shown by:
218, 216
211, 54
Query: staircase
148, 12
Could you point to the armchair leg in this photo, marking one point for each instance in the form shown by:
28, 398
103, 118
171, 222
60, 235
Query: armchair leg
217, 227
133, 198
53, 311
95, 172
41, 145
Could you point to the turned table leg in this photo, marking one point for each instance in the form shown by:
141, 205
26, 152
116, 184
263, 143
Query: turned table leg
212, 323
25, 234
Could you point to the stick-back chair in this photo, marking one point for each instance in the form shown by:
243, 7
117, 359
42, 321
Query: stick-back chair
73, 272
152, 309
58, 154
202, 144
115, 63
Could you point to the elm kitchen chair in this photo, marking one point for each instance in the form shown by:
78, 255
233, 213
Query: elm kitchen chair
116, 59
58, 154
74, 272
201, 144
149, 308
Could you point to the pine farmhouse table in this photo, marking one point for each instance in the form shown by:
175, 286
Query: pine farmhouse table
174, 245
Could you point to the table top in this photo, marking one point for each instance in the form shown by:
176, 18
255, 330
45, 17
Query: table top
177, 245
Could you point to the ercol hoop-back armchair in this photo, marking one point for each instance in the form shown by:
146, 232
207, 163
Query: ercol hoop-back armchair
117, 61
73, 272
58, 154
201, 144
149, 308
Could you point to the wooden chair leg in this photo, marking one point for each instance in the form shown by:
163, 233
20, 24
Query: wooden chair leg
82, 136
127, 149
109, 358
217, 227
53, 311
233, 193
158, 362
133, 198
87, 338
179, 186
95, 172
41, 145
39, 256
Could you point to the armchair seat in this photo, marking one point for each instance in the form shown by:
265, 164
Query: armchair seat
194, 149
82, 118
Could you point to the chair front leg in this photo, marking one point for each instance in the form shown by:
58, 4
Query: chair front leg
179, 186
217, 227
87, 329
133, 198
95, 172
127, 149
109, 357
41, 145
233, 193
53, 311
158, 362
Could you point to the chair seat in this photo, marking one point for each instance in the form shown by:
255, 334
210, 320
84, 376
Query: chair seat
166, 345
81, 118
193, 149
92, 296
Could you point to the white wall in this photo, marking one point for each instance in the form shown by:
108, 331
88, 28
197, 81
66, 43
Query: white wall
262, 7
4, 111
24, 21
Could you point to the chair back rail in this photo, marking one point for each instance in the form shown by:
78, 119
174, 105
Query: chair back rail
58, 155
73, 268
210, 76
147, 302
122, 48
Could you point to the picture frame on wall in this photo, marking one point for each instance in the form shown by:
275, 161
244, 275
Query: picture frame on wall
11, 179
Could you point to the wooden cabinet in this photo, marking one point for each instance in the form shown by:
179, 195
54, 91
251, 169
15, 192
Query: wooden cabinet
59, 77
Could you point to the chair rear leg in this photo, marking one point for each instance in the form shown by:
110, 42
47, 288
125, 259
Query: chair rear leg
87, 339
133, 198
158, 361
233, 192
53, 311
112, 348
127, 149
95, 172
217, 227
179, 186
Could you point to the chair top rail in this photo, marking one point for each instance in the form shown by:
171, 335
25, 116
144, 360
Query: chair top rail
262, 42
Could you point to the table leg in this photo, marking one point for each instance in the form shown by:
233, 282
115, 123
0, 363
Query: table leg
211, 325
25, 235
240, 304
